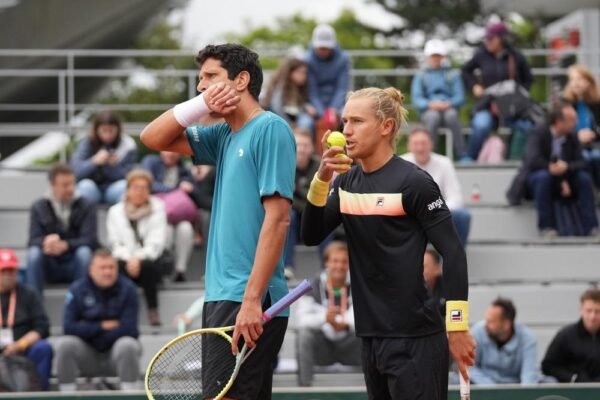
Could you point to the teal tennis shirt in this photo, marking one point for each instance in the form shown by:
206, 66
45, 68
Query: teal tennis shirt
257, 161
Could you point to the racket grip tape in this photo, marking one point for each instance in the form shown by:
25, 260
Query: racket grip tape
465, 388
304, 287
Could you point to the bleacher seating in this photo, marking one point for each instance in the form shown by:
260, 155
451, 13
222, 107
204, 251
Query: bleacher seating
506, 258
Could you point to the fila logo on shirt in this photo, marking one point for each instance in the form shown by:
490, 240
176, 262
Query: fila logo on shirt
436, 204
379, 202
456, 316
241, 152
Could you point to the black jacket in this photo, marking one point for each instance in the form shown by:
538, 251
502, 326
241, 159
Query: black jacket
574, 354
538, 155
496, 69
82, 224
29, 312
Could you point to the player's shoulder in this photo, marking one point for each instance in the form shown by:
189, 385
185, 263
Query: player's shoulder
270, 119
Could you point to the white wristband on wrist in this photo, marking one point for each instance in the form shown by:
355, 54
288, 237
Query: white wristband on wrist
189, 112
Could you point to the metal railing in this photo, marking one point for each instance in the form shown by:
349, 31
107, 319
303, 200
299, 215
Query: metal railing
67, 74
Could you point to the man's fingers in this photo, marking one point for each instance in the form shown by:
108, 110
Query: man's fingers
248, 339
324, 140
234, 341
464, 372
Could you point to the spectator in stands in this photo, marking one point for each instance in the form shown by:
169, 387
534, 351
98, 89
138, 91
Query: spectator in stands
437, 93
191, 315
287, 94
23, 321
573, 353
102, 160
325, 318
496, 61
62, 232
306, 166
432, 274
583, 92
441, 169
328, 79
100, 319
171, 174
204, 187
553, 169
506, 350
137, 230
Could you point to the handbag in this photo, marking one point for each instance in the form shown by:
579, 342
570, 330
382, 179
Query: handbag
179, 206
18, 374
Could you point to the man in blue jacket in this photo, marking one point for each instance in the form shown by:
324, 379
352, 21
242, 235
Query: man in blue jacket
62, 232
100, 319
437, 92
328, 77
506, 350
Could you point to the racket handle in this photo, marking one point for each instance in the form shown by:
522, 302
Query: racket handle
284, 302
465, 388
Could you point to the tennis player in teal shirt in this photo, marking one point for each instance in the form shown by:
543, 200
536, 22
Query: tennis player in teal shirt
254, 152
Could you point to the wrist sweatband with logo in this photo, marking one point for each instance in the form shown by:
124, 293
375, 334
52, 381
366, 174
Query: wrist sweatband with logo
188, 112
457, 315
317, 193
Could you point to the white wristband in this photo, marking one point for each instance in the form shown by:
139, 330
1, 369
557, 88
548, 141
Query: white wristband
189, 112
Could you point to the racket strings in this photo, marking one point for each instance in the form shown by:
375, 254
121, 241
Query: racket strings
198, 366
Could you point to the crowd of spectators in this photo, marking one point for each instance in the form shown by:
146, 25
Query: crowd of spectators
150, 238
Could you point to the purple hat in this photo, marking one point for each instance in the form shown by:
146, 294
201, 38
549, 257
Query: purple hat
497, 29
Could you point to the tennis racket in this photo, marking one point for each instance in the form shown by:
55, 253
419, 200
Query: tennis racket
465, 388
199, 364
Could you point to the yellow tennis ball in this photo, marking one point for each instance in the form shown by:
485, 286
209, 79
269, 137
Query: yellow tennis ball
336, 139
341, 155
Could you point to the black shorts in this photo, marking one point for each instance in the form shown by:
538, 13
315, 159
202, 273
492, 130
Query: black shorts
406, 368
255, 378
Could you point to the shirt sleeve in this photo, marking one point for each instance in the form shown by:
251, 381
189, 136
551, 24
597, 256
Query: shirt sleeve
274, 151
424, 201
206, 142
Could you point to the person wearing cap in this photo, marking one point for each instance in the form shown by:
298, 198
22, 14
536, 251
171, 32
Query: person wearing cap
328, 77
62, 232
497, 61
437, 93
23, 322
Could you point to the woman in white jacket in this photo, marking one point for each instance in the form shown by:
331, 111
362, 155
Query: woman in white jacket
137, 231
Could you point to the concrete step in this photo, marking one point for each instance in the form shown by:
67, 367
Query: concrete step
490, 183
541, 262
507, 224
537, 305
21, 189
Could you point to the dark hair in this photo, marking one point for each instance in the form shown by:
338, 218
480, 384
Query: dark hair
291, 93
557, 112
333, 246
434, 254
591, 294
59, 169
106, 117
235, 58
420, 129
102, 252
508, 308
